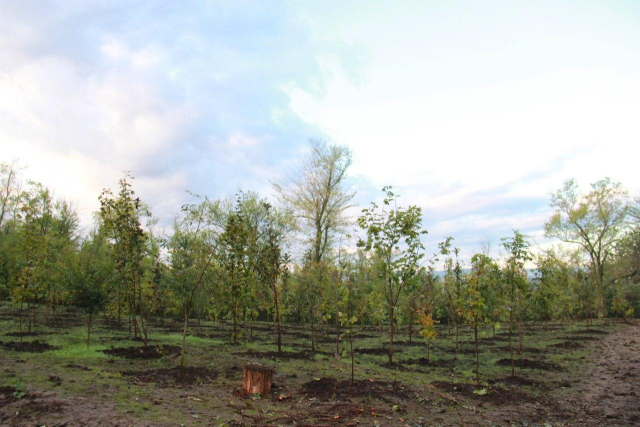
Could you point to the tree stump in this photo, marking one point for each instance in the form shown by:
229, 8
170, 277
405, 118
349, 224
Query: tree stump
256, 378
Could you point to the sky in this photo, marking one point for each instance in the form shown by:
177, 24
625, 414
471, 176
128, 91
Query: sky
474, 111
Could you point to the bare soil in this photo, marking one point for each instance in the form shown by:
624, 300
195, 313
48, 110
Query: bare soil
611, 393
494, 395
531, 364
284, 355
173, 377
28, 346
330, 388
148, 352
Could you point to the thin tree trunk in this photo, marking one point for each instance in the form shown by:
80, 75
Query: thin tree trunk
184, 340
391, 335
475, 333
513, 363
20, 314
234, 327
89, 321
279, 337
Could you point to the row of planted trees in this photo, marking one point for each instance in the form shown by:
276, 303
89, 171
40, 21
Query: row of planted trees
229, 259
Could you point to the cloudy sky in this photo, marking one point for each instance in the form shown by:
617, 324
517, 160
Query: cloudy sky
475, 111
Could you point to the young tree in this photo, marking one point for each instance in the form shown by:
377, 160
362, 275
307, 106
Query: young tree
484, 272
595, 221
121, 217
454, 283
393, 233
192, 258
515, 276
272, 261
92, 270
428, 330
234, 248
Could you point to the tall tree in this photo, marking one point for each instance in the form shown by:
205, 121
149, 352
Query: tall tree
595, 221
317, 196
393, 234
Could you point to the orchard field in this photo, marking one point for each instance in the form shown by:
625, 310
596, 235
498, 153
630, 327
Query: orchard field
364, 320
567, 374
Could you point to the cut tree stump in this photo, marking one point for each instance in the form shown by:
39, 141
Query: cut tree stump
256, 378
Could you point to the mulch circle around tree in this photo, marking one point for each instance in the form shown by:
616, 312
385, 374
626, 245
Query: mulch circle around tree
516, 349
148, 352
27, 334
581, 338
75, 366
407, 343
328, 388
569, 345
28, 346
591, 332
376, 351
423, 361
284, 355
167, 377
531, 364
494, 395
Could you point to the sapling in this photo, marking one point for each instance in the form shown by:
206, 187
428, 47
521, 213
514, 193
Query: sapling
428, 331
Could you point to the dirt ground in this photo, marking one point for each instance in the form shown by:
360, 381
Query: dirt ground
611, 394
602, 391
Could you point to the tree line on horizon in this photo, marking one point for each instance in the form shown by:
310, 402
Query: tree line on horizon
230, 259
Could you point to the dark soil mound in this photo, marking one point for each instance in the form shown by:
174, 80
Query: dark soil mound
399, 367
516, 349
149, 352
569, 345
8, 394
285, 355
462, 350
378, 351
173, 376
531, 364
581, 338
422, 361
327, 388
407, 343
27, 334
30, 347
74, 366
591, 332
494, 395
515, 381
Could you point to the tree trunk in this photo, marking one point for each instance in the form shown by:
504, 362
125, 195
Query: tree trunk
256, 379
184, 340
235, 335
277, 316
513, 363
391, 335
89, 321
337, 326
475, 333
